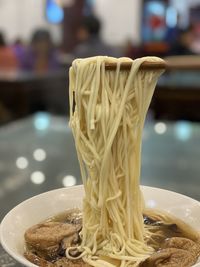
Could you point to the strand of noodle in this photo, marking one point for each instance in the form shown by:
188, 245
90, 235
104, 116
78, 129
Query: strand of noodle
119, 193
87, 143
128, 200
93, 98
114, 92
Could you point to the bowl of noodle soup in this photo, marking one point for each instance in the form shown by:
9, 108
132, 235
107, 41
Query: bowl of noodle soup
43, 206
121, 223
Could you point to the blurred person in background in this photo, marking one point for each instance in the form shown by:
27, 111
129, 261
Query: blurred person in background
19, 50
8, 60
183, 43
196, 44
41, 56
90, 43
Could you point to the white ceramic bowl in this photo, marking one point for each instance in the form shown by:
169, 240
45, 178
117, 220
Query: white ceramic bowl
38, 208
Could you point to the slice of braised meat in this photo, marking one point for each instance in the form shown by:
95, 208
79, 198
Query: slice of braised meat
37, 260
182, 243
48, 234
170, 257
46, 239
64, 262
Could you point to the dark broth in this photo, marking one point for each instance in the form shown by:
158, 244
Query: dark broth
46, 252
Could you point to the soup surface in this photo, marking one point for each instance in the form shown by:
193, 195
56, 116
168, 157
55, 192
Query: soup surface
175, 243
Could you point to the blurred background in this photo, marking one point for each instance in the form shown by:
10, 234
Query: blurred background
38, 41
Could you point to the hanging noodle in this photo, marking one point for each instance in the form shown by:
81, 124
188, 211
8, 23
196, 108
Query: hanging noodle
107, 114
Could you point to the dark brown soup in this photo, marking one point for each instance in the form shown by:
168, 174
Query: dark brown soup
175, 243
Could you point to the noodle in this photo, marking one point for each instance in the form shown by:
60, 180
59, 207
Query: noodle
107, 123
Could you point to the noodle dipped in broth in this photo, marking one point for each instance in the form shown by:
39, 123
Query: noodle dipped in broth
107, 122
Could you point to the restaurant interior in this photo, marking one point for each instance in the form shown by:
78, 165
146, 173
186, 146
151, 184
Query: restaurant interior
38, 42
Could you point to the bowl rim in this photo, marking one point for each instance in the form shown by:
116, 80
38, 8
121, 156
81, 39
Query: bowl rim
22, 260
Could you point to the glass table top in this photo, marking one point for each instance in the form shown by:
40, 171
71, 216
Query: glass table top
37, 154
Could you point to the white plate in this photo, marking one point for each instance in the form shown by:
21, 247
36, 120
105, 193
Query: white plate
38, 208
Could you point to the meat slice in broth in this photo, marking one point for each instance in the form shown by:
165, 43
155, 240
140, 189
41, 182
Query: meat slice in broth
182, 243
49, 234
170, 257
46, 239
175, 251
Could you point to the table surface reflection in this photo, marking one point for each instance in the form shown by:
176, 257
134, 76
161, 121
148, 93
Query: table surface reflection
38, 154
